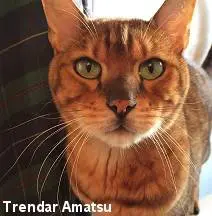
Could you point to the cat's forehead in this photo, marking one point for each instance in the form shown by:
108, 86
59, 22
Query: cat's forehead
129, 40
119, 31
119, 37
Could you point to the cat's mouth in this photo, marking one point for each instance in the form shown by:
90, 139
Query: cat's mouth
120, 127
119, 134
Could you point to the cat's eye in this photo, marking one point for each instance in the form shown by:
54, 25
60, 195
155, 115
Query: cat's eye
152, 69
88, 68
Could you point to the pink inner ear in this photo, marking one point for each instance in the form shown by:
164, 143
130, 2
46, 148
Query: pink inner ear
63, 17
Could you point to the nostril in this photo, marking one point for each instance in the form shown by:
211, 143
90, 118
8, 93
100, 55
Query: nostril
121, 111
130, 107
113, 108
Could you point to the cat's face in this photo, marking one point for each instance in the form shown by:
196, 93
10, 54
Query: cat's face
120, 81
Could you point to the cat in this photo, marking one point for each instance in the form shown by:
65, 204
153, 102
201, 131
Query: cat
138, 115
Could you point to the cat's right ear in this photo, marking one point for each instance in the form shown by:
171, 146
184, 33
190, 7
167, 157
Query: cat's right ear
64, 19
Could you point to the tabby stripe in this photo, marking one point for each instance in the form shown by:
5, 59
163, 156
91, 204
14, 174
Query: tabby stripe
129, 42
107, 39
91, 173
106, 170
115, 173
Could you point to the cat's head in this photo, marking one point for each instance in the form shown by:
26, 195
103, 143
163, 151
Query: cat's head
119, 80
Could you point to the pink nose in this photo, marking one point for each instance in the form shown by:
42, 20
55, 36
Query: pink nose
121, 107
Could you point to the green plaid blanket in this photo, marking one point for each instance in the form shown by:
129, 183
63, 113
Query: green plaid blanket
30, 166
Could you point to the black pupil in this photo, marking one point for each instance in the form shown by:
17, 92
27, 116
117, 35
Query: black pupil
88, 67
151, 67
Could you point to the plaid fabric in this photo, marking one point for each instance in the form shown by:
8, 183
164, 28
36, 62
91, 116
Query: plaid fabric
29, 123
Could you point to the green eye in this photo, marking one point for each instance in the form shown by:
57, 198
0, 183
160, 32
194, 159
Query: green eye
87, 68
152, 69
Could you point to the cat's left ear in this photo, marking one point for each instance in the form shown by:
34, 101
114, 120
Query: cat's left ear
64, 20
174, 17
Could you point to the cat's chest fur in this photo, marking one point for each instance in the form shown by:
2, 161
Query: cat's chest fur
138, 181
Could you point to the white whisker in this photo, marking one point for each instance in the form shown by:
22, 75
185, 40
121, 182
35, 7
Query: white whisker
60, 179
27, 148
52, 134
60, 156
22, 41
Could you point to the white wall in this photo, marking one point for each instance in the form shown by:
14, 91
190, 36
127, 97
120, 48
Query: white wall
201, 32
143, 9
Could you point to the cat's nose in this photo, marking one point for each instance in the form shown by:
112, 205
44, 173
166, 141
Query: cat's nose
121, 107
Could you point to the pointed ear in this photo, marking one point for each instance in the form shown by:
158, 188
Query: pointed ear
174, 17
64, 19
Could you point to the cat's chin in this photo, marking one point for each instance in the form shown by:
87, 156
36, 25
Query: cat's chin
123, 138
119, 138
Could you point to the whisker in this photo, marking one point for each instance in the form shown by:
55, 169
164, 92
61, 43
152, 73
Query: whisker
92, 23
82, 21
24, 123
148, 27
22, 41
57, 131
184, 131
160, 145
95, 31
172, 172
61, 154
160, 27
183, 166
77, 160
60, 179
170, 168
164, 154
45, 105
17, 142
27, 148
40, 117
179, 148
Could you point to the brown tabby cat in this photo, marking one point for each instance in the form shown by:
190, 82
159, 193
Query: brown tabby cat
138, 116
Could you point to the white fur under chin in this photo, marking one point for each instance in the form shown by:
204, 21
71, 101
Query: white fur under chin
126, 140
149, 133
